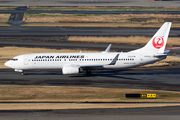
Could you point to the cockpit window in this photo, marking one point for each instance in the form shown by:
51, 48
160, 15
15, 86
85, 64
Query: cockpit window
14, 59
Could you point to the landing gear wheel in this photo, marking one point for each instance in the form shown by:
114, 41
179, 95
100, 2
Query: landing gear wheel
88, 72
22, 73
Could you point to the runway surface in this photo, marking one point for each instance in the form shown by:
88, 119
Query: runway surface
141, 78
158, 113
145, 3
19, 31
144, 78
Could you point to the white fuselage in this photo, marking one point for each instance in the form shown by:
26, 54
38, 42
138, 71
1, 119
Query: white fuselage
59, 60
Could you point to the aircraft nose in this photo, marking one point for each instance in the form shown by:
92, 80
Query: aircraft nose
8, 63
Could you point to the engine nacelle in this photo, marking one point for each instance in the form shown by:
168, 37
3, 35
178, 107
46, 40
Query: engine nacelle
70, 70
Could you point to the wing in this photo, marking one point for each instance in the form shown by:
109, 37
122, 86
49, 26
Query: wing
113, 62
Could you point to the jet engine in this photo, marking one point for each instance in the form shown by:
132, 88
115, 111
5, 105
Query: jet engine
70, 70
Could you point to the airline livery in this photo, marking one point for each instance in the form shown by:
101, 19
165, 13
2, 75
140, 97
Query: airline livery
74, 63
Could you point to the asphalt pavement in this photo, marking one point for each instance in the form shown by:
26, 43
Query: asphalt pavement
165, 78
144, 3
23, 31
156, 113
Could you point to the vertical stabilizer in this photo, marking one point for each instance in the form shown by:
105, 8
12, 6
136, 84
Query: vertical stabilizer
158, 42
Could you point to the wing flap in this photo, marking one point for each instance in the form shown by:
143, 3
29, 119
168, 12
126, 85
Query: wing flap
92, 66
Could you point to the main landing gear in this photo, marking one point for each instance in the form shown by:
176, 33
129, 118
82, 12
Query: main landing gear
88, 72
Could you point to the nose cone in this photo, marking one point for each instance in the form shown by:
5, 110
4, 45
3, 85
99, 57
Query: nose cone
8, 64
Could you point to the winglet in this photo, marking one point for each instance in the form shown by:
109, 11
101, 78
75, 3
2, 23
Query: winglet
107, 49
114, 60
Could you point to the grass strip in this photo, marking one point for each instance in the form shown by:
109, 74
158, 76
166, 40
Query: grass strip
4, 18
55, 106
132, 40
130, 25
101, 18
72, 93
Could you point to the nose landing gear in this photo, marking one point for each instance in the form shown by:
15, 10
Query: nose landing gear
22, 73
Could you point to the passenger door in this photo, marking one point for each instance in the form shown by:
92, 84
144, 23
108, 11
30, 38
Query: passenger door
141, 59
25, 60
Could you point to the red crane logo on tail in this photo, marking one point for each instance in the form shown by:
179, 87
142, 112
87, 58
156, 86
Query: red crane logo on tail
158, 42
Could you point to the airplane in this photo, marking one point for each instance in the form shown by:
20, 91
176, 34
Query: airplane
74, 63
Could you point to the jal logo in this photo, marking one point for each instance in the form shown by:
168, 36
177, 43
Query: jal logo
158, 42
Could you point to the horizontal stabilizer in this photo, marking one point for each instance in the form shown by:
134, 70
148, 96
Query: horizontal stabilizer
166, 51
161, 55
